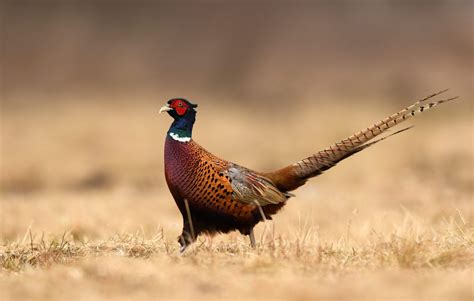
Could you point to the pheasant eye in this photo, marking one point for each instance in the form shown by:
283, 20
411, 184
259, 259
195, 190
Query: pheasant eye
180, 108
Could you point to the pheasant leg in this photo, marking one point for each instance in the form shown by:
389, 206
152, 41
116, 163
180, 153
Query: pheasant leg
252, 239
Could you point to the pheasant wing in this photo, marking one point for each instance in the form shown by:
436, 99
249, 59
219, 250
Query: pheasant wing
251, 188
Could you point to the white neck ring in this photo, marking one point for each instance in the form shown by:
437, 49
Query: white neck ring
178, 138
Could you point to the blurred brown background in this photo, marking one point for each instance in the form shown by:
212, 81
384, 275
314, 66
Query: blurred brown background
81, 147
82, 81
250, 52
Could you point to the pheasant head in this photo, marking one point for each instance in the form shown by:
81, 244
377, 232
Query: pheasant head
184, 115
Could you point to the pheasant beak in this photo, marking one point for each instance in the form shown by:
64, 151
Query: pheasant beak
165, 108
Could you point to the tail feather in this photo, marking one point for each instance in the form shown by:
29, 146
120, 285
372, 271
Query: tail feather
293, 176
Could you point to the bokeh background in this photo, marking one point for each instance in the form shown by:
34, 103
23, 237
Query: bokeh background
234, 51
82, 142
97, 71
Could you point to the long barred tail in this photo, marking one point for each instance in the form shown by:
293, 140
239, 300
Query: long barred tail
295, 175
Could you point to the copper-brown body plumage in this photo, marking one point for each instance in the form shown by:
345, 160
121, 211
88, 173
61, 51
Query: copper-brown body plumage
197, 176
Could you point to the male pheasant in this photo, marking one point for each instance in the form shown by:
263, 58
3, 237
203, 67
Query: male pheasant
215, 195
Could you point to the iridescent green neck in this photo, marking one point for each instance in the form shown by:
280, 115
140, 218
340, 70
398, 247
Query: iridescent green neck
182, 128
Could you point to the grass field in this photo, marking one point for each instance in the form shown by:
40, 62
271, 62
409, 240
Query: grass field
86, 214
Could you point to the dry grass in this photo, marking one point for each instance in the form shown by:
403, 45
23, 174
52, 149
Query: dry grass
85, 214
404, 263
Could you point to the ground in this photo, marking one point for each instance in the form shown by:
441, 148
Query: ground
86, 214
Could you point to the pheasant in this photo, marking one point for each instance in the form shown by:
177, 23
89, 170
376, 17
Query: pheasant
218, 196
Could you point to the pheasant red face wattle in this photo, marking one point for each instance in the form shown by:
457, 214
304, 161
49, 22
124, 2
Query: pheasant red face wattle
179, 106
